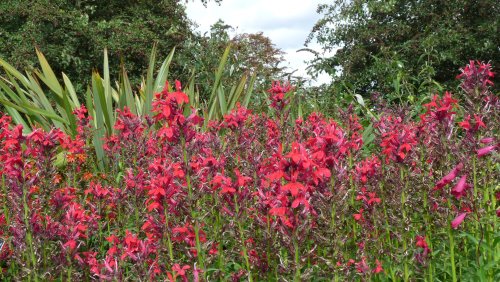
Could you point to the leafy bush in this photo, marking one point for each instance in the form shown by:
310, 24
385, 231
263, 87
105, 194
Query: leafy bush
400, 47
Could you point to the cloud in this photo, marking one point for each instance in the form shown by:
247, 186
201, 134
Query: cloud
286, 22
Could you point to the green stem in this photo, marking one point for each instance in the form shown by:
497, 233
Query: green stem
242, 238
29, 239
404, 179
198, 245
452, 255
297, 261
5, 199
169, 241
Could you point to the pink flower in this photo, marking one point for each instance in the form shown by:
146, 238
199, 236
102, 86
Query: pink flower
486, 150
459, 190
486, 140
449, 177
458, 220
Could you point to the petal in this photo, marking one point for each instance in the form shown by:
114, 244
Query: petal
458, 220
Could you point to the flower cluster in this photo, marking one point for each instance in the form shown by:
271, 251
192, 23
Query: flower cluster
248, 197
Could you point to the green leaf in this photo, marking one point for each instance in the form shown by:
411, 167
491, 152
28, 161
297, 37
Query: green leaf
27, 109
149, 91
99, 96
163, 72
100, 132
222, 101
69, 114
108, 106
71, 91
48, 77
237, 93
16, 117
246, 99
127, 98
360, 100
218, 75
11, 70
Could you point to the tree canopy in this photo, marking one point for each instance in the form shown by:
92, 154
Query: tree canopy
383, 42
73, 33
250, 53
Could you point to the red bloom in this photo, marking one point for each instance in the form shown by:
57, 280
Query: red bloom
465, 123
179, 96
473, 76
180, 270
359, 216
487, 140
293, 187
421, 242
378, 267
362, 266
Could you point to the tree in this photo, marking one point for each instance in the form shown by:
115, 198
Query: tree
250, 53
382, 43
73, 33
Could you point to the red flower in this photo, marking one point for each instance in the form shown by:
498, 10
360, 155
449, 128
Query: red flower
378, 267
486, 140
465, 123
293, 187
278, 211
421, 242
180, 271
362, 266
179, 96
359, 216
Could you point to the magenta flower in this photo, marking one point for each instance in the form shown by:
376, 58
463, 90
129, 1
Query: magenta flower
459, 190
458, 220
449, 177
486, 150
487, 140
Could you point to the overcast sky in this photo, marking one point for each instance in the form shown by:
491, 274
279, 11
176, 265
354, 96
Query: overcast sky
286, 22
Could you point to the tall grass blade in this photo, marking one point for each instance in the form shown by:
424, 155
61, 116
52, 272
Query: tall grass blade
237, 93
163, 72
248, 94
106, 83
218, 75
97, 113
149, 91
48, 76
71, 90
127, 98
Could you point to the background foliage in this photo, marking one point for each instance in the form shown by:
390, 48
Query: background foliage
404, 47
73, 34
251, 53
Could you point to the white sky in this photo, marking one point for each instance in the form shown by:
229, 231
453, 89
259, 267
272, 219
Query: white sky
286, 22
